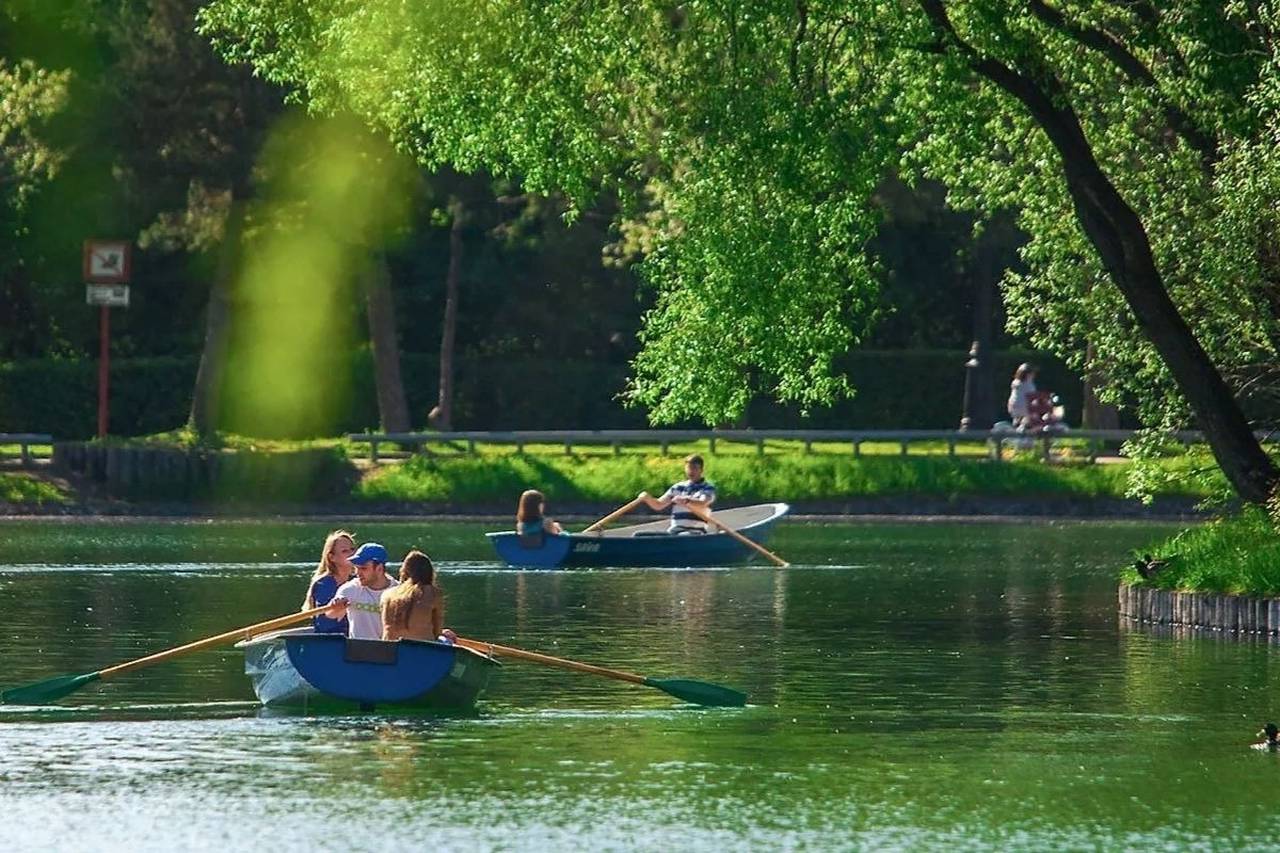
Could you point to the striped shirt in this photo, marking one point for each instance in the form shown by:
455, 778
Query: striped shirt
683, 518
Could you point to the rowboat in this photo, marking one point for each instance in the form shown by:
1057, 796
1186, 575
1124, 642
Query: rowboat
298, 667
646, 544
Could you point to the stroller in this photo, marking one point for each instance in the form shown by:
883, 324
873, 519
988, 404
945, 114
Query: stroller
1045, 417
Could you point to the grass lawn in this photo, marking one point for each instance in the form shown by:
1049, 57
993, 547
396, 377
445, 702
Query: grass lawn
1238, 555
19, 488
790, 476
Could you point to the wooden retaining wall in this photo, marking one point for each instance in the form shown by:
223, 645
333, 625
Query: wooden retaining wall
165, 474
1239, 614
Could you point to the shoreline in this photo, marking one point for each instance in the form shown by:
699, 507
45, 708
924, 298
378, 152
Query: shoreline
970, 509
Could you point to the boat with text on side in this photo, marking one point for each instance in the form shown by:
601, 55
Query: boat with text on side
300, 668
646, 544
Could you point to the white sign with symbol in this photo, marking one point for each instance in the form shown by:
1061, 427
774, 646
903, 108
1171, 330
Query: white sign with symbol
111, 295
106, 261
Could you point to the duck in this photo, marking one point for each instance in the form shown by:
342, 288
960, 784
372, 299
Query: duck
1271, 744
1148, 567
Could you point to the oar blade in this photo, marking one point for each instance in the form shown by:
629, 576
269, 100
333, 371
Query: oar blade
700, 692
50, 690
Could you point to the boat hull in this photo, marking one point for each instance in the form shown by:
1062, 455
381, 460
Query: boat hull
300, 668
647, 545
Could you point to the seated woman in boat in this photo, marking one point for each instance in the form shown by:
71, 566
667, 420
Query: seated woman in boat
531, 525
414, 610
334, 570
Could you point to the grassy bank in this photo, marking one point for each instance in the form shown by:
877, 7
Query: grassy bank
20, 488
487, 476
1238, 555
741, 477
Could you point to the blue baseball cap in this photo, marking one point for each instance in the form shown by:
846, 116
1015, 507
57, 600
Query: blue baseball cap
369, 552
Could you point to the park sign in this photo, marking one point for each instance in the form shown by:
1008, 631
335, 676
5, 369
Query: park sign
106, 284
107, 295
106, 273
106, 262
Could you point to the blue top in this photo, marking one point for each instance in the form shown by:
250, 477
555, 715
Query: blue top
700, 489
529, 528
322, 591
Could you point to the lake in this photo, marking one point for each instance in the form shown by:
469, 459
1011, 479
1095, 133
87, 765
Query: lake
957, 685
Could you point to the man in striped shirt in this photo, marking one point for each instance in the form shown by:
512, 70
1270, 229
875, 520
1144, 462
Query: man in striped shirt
694, 491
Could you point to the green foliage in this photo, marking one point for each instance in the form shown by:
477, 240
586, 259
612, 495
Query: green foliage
898, 390
761, 130
24, 489
1238, 555
738, 478
61, 397
30, 96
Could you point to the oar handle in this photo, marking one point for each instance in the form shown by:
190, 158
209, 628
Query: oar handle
707, 516
616, 514
236, 634
508, 651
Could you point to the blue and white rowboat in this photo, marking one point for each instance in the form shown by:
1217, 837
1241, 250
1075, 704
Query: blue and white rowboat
298, 667
645, 544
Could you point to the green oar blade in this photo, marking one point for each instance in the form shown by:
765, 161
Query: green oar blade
44, 692
699, 692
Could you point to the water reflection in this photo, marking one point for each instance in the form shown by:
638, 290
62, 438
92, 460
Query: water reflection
963, 686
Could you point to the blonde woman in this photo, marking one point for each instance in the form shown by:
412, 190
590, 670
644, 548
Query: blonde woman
414, 610
334, 570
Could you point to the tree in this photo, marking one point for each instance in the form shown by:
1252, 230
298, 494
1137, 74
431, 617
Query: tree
1121, 132
32, 97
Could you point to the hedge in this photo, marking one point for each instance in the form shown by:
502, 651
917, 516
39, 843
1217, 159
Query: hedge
908, 389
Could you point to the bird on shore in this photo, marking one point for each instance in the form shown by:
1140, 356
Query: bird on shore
1148, 567
1271, 744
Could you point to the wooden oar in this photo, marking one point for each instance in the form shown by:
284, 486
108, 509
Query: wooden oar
43, 692
616, 514
698, 692
707, 516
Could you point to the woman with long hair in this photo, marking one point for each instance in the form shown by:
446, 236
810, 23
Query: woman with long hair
414, 610
1021, 390
334, 570
531, 524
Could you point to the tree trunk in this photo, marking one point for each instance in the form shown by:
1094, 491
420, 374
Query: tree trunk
1121, 240
207, 395
442, 415
393, 410
1118, 235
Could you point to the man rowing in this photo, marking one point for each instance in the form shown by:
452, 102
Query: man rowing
694, 491
360, 599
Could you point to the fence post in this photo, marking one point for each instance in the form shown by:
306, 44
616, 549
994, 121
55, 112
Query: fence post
373, 451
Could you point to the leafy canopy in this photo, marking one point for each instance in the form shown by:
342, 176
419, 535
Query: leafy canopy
763, 127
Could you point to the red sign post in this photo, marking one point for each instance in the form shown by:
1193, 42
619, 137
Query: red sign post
106, 276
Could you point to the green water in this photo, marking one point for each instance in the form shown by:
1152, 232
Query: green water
958, 686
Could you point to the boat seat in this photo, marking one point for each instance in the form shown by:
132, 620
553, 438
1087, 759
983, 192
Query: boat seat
371, 651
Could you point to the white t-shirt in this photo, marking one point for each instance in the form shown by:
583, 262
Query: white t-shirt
364, 608
1020, 390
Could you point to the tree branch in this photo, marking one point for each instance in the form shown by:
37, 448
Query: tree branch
1110, 47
